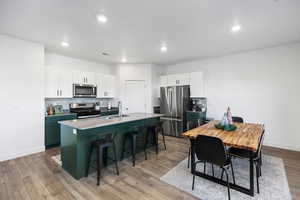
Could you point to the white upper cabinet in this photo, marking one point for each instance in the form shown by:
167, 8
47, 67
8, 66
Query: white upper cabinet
81, 77
163, 81
194, 79
106, 86
175, 80
58, 83
184, 79
196, 84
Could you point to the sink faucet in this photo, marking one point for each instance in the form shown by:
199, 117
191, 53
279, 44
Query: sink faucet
120, 108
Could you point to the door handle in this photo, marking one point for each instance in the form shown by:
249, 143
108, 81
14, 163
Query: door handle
60, 92
57, 93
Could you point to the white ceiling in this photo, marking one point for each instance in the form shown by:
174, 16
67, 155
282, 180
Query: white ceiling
191, 29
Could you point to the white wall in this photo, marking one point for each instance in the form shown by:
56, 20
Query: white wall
21, 97
146, 72
69, 63
261, 86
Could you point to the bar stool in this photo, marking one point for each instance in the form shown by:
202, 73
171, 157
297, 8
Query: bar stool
156, 130
100, 145
132, 136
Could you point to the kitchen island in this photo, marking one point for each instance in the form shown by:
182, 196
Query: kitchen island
77, 135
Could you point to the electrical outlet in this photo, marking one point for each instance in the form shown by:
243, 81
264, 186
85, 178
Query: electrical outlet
75, 131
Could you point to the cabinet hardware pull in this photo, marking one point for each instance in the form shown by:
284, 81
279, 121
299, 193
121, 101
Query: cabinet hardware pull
57, 93
60, 92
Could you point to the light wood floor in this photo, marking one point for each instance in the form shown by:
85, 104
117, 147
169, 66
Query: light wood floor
37, 177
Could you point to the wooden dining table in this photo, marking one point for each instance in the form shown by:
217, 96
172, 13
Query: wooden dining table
246, 136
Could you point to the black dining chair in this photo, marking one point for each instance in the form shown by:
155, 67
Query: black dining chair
191, 124
246, 154
237, 119
212, 150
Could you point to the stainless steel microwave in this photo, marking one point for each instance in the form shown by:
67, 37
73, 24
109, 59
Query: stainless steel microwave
84, 91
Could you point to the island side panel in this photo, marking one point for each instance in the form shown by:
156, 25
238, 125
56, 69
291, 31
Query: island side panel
68, 149
85, 137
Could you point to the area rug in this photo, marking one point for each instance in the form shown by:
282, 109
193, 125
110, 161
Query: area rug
273, 183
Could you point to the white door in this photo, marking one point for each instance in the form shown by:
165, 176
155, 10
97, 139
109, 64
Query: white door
135, 97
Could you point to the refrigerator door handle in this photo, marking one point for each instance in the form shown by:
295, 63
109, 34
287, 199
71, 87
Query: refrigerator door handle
169, 100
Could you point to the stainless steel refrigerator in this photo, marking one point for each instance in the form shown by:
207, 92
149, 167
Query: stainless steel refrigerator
174, 102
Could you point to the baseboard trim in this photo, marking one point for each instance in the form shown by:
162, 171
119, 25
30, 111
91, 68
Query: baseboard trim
286, 147
25, 152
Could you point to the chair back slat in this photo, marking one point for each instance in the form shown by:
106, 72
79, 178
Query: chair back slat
261, 141
210, 149
237, 119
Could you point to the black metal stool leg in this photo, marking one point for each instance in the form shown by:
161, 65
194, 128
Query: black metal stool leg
204, 167
89, 161
123, 147
212, 169
133, 149
115, 157
146, 142
99, 157
163, 135
156, 140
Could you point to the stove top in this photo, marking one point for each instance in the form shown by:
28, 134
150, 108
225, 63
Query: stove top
84, 110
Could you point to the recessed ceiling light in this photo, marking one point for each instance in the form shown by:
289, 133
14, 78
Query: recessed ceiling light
124, 59
236, 28
102, 18
65, 44
163, 49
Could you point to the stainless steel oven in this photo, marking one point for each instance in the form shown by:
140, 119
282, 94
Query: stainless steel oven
84, 91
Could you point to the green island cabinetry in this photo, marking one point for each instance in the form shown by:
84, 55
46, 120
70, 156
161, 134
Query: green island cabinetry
76, 141
52, 128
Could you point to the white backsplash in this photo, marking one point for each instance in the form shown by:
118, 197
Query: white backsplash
65, 102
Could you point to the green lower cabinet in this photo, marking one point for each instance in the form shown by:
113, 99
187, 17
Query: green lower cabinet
193, 117
52, 129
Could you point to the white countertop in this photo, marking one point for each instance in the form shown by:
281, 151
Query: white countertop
97, 122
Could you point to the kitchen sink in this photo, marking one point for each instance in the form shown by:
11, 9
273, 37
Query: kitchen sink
115, 116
